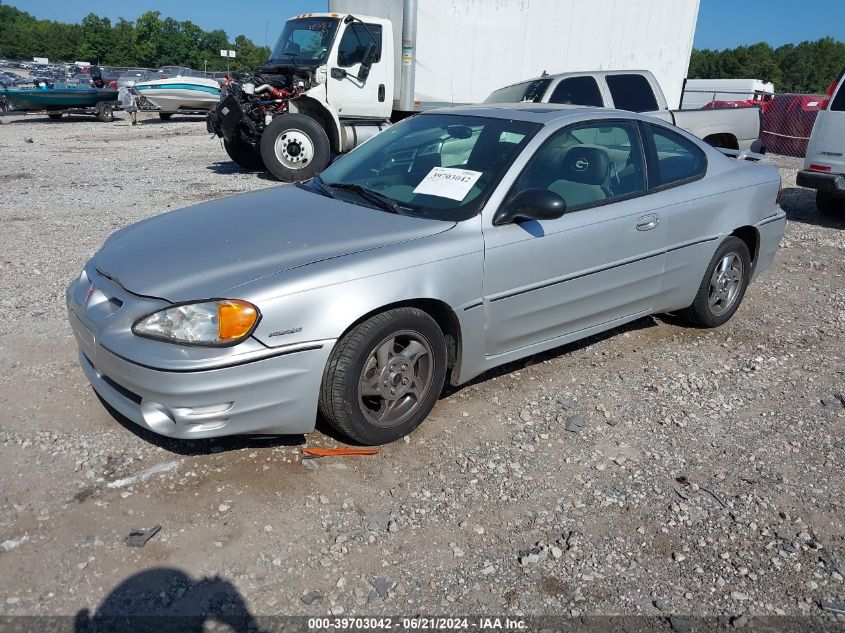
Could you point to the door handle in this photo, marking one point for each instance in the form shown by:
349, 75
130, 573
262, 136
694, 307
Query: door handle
648, 222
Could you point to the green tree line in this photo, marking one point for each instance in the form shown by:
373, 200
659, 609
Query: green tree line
808, 67
150, 41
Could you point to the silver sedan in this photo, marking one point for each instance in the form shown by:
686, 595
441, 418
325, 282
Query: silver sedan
451, 243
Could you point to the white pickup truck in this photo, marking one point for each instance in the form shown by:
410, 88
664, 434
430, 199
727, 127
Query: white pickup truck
638, 91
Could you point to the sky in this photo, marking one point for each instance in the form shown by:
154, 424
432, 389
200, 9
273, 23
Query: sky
721, 23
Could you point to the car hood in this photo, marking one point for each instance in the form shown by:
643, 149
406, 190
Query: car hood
203, 251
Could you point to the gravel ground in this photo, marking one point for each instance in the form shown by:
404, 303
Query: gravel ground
707, 480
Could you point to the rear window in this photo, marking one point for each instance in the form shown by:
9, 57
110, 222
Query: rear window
526, 91
632, 92
578, 91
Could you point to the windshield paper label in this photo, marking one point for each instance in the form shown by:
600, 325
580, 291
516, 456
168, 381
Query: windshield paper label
447, 182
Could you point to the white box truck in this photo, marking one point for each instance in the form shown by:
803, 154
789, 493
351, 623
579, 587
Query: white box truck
700, 92
335, 79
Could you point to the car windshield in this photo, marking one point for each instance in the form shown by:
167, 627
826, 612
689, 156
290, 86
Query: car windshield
439, 166
304, 42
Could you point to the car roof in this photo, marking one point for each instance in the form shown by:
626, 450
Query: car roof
543, 113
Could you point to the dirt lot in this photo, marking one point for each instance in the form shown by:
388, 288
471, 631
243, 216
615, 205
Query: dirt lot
708, 478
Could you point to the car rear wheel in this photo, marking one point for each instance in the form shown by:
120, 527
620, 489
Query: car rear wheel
723, 286
244, 155
828, 204
295, 147
384, 376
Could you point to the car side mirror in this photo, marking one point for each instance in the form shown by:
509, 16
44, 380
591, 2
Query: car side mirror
530, 204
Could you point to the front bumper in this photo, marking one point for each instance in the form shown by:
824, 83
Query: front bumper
273, 394
828, 183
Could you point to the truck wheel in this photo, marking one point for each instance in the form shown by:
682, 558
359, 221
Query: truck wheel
295, 147
384, 376
244, 155
828, 204
723, 286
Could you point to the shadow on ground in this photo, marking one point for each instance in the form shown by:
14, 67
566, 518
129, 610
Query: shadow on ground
166, 600
800, 206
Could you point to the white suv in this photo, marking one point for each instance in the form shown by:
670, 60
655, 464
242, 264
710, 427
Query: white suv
824, 166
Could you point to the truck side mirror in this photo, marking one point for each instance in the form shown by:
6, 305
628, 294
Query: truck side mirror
367, 61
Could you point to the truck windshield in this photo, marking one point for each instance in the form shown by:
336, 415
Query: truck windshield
527, 91
439, 166
304, 42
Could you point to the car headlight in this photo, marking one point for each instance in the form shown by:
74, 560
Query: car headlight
218, 322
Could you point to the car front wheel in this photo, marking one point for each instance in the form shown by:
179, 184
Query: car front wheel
723, 286
384, 376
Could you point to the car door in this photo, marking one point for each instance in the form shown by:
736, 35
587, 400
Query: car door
600, 262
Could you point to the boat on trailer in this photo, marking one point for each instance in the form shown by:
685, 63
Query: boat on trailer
182, 93
57, 98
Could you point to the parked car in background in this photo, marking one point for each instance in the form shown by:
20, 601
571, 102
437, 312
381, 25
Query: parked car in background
824, 165
453, 242
637, 91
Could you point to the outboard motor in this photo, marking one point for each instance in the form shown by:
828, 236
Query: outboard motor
97, 77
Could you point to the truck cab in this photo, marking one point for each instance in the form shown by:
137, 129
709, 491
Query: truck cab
327, 87
824, 164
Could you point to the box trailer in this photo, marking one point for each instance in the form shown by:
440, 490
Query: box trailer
701, 92
459, 51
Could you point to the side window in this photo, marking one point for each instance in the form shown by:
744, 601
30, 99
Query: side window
678, 159
354, 44
578, 91
632, 92
588, 164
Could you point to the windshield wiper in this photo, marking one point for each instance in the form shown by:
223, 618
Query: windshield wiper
380, 200
321, 186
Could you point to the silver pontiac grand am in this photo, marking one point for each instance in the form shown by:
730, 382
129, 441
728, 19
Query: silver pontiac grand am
452, 242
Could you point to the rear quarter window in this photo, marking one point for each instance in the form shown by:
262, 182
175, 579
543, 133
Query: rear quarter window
678, 159
632, 92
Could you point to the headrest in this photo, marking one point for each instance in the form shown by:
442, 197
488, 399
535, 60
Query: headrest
586, 165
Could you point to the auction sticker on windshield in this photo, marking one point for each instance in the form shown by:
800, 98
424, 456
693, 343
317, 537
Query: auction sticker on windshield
448, 182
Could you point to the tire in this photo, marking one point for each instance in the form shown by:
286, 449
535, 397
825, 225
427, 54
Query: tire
165, 116
703, 312
371, 419
56, 116
295, 148
828, 204
105, 114
244, 155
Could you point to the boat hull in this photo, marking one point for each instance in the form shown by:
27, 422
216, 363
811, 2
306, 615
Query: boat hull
58, 98
181, 93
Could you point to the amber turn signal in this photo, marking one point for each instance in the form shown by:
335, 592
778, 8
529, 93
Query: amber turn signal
235, 319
